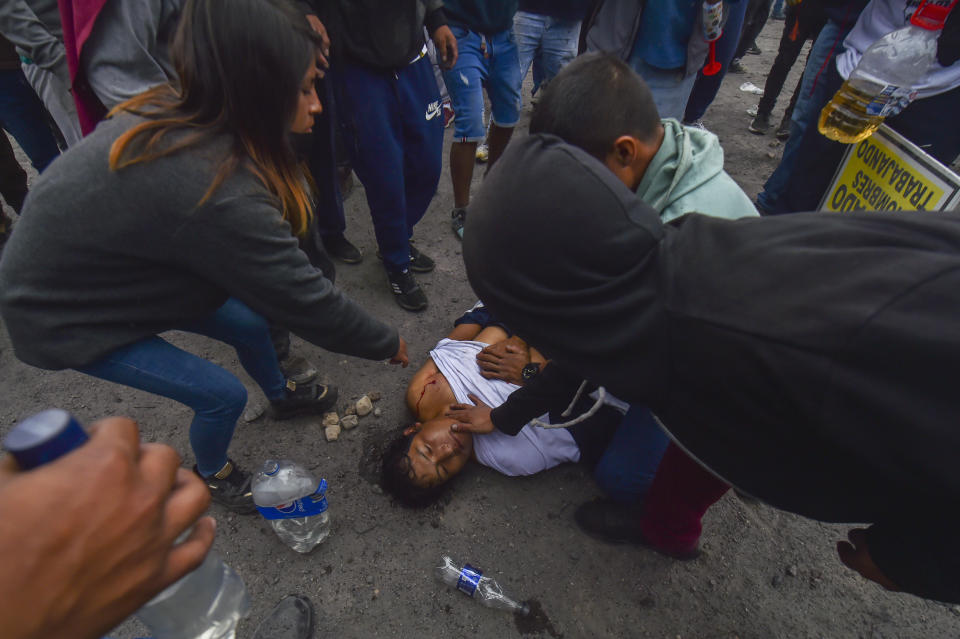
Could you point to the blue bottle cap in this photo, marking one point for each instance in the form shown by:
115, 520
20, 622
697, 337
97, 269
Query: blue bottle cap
44, 437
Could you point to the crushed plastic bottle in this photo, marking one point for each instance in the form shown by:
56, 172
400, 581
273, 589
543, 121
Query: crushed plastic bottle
470, 581
294, 502
881, 85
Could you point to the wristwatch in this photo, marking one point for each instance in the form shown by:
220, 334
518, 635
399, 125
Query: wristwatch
530, 371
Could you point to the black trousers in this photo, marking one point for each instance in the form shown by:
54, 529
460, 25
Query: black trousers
797, 29
757, 13
13, 179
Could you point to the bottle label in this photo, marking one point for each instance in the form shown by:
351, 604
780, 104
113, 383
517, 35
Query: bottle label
890, 101
469, 579
304, 507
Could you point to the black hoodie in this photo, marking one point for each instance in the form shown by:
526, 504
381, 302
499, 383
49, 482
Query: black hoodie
806, 359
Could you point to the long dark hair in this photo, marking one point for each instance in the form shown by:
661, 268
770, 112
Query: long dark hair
240, 65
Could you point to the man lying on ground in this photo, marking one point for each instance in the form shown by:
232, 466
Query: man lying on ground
428, 454
600, 105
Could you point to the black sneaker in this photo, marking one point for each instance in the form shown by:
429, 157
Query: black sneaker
298, 369
760, 124
754, 49
292, 618
340, 247
618, 523
407, 292
420, 263
783, 131
736, 67
230, 487
457, 217
304, 399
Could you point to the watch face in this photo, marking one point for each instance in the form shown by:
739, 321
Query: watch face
530, 370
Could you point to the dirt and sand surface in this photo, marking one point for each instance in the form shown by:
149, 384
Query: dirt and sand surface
763, 573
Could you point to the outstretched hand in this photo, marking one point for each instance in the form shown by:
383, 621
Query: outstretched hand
401, 355
471, 419
119, 508
856, 556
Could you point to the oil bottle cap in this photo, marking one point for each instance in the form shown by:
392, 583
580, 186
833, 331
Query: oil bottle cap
931, 16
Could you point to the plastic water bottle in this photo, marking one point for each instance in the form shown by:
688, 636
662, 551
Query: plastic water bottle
294, 502
470, 580
881, 85
208, 603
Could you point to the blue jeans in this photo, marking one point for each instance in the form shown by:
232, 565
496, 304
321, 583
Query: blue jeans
706, 87
483, 61
811, 97
630, 462
216, 396
670, 87
393, 131
546, 42
21, 113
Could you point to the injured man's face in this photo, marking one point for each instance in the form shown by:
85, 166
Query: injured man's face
436, 453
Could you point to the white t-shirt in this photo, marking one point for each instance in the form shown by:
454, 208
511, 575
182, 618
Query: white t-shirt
532, 449
879, 18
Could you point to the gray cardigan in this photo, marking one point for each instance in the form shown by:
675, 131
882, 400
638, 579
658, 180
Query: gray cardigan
101, 259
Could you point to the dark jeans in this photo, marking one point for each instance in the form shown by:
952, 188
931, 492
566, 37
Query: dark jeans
629, 464
322, 163
817, 159
216, 396
808, 101
797, 29
753, 21
706, 87
13, 179
21, 113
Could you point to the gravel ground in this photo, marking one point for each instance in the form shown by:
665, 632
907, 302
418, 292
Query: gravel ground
764, 573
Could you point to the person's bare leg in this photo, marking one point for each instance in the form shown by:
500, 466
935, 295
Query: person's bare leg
462, 157
497, 140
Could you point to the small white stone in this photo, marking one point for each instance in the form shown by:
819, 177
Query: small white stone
377, 412
349, 421
364, 406
332, 432
330, 419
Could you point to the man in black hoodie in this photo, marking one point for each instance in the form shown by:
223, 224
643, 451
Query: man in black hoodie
803, 359
389, 109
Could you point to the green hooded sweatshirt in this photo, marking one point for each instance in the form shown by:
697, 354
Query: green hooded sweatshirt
686, 175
